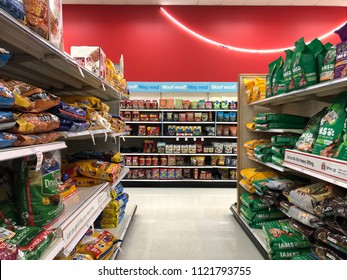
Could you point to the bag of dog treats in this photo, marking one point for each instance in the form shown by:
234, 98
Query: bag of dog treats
327, 70
307, 140
287, 71
304, 65
331, 127
280, 236
333, 239
37, 195
278, 84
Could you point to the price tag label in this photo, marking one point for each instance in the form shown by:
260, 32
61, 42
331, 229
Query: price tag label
39, 160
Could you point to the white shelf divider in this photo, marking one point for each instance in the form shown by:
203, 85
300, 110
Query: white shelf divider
18, 152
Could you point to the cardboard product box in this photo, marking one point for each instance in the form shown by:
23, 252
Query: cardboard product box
92, 58
56, 24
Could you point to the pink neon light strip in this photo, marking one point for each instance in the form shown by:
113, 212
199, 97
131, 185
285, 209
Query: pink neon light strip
209, 41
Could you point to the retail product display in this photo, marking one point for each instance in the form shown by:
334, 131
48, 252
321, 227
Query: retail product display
38, 202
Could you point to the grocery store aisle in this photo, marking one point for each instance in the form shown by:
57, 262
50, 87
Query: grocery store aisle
185, 224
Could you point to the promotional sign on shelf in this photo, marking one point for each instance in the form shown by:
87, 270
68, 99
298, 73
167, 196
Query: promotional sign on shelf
222, 87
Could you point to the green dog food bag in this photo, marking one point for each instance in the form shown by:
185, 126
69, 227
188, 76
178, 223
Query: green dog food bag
269, 78
277, 160
8, 215
308, 138
279, 151
305, 257
288, 254
304, 65
31, 241
278, 84
37, 195
287, 71
253, 202
341, 152
264, 118
262, 215
331, 127
284, 140
327, 70
319, 52
263, 148
263, 157
280, 236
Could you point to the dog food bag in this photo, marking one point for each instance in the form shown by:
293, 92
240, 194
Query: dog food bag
69, 125
252, 224
287, 71
340, 69
99, 169
332, 207
7, 120
288, 254
8, 215
36, 14
4, 55
328, 66
41, 138
331, 127
280, 236
81, 181
284, 140
248, 187
307, 140
253, 202
301, 228
319, 52
278, 84
305, 257
38, 199
279, 118
325, 253
6, 191
309, 196
6, 97
249, 145
335, 240
279, 125
269, 78
277, 160
278, 151
254, 174
7, 139
263, 157
341, 152
263, 148
262, 215
70, 112
304, 217
14, 8
28, 123
304, 65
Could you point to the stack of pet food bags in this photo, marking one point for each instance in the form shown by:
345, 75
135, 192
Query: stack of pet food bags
326, 134
29, 202
114, 212
319, 211
24, 115
91, 168
259, 149
279, 144
267, 121
96, 244
254, 210
255, 89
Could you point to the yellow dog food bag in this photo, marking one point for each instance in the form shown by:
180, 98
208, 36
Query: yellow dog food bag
255, 174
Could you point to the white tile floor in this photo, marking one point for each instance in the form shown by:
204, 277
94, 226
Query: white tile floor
185, 224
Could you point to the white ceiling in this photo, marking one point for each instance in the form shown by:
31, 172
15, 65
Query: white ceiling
214, 2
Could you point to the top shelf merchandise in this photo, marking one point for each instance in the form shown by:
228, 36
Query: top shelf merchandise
37, 63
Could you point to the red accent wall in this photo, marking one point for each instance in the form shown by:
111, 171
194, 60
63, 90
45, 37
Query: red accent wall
156, 50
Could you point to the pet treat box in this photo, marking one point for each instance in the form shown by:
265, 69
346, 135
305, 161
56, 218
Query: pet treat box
92, 58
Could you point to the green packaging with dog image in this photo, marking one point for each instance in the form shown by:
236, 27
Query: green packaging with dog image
269, 78
287, 70
304, 64
327, 70
38, 200
278, 84
331, 127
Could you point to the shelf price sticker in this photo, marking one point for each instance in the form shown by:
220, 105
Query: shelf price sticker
323, 166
